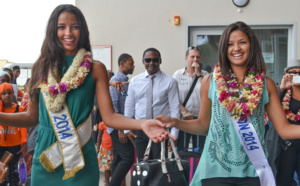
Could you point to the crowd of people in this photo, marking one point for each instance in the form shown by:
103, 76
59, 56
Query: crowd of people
20, 142
222, 113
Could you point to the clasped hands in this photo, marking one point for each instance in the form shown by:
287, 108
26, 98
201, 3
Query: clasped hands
155, 129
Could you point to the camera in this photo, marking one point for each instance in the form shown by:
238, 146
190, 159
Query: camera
296, 79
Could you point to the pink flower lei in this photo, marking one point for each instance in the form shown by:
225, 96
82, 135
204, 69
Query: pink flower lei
239, 105
63, 87
286, 106
72, 79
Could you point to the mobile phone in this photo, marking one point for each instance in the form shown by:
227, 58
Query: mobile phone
296, 79
123, 93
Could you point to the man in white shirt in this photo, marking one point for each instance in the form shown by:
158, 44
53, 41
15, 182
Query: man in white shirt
164, 100
185, 78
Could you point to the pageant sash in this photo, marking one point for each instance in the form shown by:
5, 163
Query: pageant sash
251, 143
67, 149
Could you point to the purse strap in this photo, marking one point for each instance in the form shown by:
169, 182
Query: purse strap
147, 152
186, 100
163, 158
190, 91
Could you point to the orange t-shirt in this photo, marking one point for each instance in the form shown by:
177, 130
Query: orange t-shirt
106, 139
12, 136
20, 93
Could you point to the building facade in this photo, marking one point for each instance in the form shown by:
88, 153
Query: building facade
132, 26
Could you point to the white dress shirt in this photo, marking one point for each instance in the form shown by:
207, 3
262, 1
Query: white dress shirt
165, 97
185, 82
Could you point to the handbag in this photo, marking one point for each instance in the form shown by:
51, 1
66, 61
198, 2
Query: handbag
161, 172
22, 170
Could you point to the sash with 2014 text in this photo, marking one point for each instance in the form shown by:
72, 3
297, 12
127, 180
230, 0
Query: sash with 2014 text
67, 149
251, 143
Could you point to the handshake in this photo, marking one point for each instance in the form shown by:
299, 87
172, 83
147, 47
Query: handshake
156, 129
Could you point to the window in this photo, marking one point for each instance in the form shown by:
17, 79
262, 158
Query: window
276, 43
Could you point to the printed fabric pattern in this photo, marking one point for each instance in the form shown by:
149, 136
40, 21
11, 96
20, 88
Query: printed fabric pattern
223, 154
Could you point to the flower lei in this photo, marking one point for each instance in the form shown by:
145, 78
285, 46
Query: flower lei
72, 79
239, 105
286, 106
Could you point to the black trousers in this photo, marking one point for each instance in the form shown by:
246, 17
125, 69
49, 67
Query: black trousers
141, 143
288, 164
248, 181
181, 146
13, 175
123, 154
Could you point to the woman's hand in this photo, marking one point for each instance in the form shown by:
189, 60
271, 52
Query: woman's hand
155, 130
287, 81
166, 120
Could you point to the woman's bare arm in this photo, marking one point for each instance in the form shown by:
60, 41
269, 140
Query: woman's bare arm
277, 115
112, 119
22, 119
197, 126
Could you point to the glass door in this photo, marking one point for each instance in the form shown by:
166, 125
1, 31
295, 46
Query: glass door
273, 41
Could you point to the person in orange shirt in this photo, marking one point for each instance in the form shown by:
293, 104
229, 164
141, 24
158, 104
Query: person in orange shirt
12, 139
17, 92
105, 154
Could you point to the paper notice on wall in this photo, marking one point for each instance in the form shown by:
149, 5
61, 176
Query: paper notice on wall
268, 57
103, 54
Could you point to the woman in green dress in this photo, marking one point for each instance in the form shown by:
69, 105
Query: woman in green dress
64, 81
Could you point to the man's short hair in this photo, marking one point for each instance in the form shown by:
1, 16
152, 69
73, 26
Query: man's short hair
153, 50
123, 57
16, 67
191, 48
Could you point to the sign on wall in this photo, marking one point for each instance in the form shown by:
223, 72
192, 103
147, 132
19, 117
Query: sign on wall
103, 53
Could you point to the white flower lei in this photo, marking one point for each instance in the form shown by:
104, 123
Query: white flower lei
72, 79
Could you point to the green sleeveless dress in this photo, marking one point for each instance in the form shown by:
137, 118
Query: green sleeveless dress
80, 103
223, 154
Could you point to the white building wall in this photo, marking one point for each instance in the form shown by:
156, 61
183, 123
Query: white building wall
131, 26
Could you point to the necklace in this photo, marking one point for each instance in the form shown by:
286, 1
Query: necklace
72, 79
286, 106
239, 105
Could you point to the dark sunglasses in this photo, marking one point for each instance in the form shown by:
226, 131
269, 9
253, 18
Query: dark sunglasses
193, 48
148, 60
294, 72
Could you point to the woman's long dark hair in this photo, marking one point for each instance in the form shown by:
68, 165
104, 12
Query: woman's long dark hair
255, 59
52, 52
